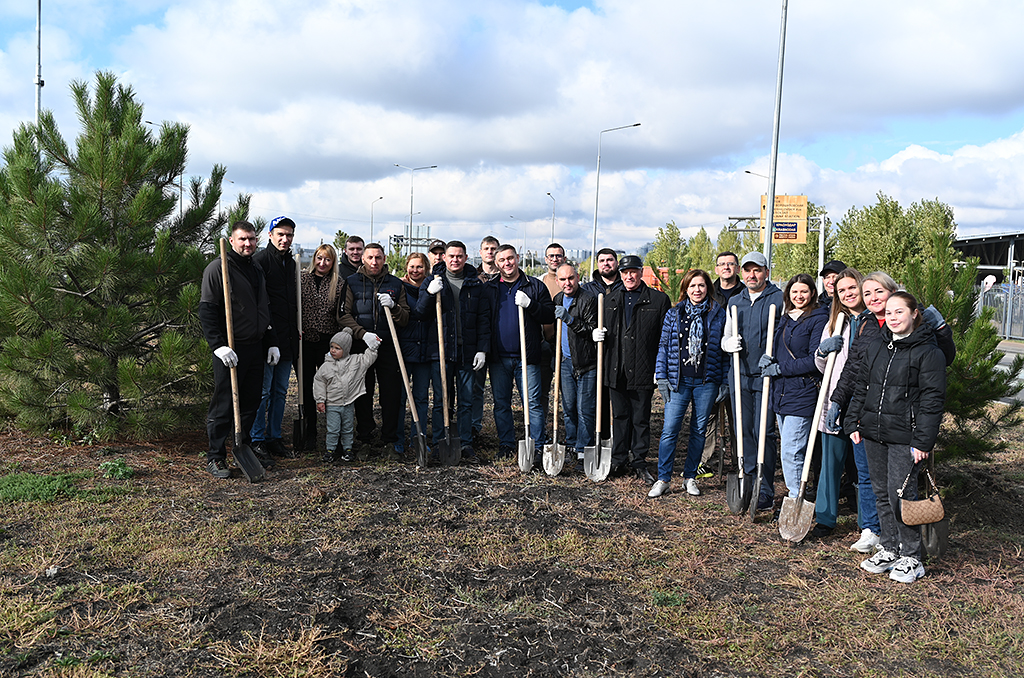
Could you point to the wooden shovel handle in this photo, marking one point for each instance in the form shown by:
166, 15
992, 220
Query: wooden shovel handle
401, 366
830, 363
442, 359
230, 326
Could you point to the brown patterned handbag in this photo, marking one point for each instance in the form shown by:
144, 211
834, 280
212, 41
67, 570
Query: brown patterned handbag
921, 511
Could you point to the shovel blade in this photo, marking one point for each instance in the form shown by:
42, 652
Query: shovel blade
795, 518
298, 434
935, 538
449, 449
246, 459
737, 493
526, 455
590, 461
604, 461
422, 458
554, 458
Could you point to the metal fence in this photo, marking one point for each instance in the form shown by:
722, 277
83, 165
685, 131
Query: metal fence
1007, 300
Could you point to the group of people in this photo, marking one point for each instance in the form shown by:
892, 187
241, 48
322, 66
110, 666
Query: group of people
886, 392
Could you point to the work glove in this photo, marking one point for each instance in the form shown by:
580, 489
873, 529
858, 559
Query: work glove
833, 417
385, 300
764, 361
598, 334
830, 345
723, 393
664, 390
933, 318
562, 313
227, 356
523, 299
479, 360
372, 340
273, 355
771, 370
732, 344
435, 285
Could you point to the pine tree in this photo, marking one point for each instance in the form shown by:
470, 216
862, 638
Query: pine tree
669, 252
99, 273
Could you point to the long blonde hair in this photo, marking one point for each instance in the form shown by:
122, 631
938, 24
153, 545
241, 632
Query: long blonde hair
332, 290
837, 306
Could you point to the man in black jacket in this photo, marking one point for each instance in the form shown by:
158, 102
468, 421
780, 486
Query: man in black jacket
279, 271
351, 257
576, 314
633, 318
254, 338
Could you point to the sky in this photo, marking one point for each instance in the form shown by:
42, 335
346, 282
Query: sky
310, 105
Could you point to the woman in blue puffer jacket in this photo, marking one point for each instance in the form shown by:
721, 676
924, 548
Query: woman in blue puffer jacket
690, 367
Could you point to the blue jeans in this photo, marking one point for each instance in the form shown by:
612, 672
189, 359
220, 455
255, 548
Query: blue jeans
270, 414
579, 404
867, 509
504, 371
462, 380
793, 432
703, 398
478, 398
340, 424
419, 375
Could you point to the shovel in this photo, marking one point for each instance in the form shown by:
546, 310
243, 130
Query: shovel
554, 453
597, 459
421, 442
766, 383
449, 447
797, 514
934, 536
299, 425
526, 449
243, 454
735, 483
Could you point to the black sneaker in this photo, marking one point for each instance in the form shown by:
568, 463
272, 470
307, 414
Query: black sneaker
469, 457
277, 448
821, 531
218, 468
505, 453
703, 471
644, 475
262, 453
348, 456
765, 503
329, 457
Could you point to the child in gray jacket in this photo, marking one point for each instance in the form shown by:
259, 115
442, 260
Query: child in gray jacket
337, 384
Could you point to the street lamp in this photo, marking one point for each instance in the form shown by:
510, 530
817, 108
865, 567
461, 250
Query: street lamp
371, 217
524, 232
412, 173
770, 222
597, 188
553, 203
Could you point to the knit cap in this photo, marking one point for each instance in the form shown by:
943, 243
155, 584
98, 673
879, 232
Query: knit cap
343, 339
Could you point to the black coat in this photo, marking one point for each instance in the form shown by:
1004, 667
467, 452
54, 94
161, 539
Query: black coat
583, 311
631, 352
279, 272
900, 390
474, 315
418, 339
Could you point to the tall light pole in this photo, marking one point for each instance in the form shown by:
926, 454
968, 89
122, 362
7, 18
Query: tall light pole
768, 232
39, 57
597, 190
371, 217
553, 203
412, 173
524, 232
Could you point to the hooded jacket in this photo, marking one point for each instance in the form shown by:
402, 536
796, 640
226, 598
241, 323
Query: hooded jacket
250, 306
340, 382
279, 272
795, 391
362, 311
753, 322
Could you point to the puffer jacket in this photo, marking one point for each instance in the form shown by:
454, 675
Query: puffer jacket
900, 390
583, 311
674, 336
418, 339
631, 352
474, 314
795, 391
340, 382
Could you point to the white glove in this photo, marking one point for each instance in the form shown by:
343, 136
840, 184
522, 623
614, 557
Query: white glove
227, 356
385, 300
598, 334
273, 355
479, 360
435, 285
732, 344
372, 340
522, 299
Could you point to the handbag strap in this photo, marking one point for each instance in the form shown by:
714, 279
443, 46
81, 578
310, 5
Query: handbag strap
928, 475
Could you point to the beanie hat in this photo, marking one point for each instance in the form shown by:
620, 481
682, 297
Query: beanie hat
343, 339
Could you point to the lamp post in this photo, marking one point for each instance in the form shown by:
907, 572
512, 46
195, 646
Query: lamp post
412, 174
768, 232
524, 232
553, 203
39, 57
597, 189
371, 217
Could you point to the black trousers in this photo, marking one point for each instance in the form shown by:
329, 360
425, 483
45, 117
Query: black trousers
387, 377
220, 418
631, 426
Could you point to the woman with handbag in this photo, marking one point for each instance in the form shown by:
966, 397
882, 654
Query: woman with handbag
896, 411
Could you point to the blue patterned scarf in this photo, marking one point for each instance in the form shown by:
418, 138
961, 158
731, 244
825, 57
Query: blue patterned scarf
695, 340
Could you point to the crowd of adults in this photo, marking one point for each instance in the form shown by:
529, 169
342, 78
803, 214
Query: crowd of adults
885, 395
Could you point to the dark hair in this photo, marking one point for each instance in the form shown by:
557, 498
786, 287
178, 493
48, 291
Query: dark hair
502, 248
607, 250
456, 243
688, 278
911, 301
374, 246
727, 254
354, 238
806, 280
553, 246
489, 240
242, 225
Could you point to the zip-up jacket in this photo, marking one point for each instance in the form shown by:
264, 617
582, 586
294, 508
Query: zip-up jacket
631, 352
279, 272
250, 306
583, 311
474, 315
339, 382
900, 390
419, 335
541, 311
753, 321
362, 311
673, 337
598, 286
795, 391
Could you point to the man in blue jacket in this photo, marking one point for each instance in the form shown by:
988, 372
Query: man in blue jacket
513, 289
752, 305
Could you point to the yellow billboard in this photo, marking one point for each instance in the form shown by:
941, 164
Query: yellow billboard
790, 219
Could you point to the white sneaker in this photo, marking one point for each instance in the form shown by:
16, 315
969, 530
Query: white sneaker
661, 487
867, 542
907, 570
881, 562
691, 487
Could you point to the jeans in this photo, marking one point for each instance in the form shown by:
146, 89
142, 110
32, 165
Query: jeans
793, 431
703, 398
504, 371
461, 380
270, 413
867, 510
889, 466
478, 398
750, 400
833, 462
340, 424
578, 406
419, 375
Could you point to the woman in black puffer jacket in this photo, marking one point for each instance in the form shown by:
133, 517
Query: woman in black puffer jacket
896, 410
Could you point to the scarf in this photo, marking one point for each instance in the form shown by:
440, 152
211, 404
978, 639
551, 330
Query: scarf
695, 340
